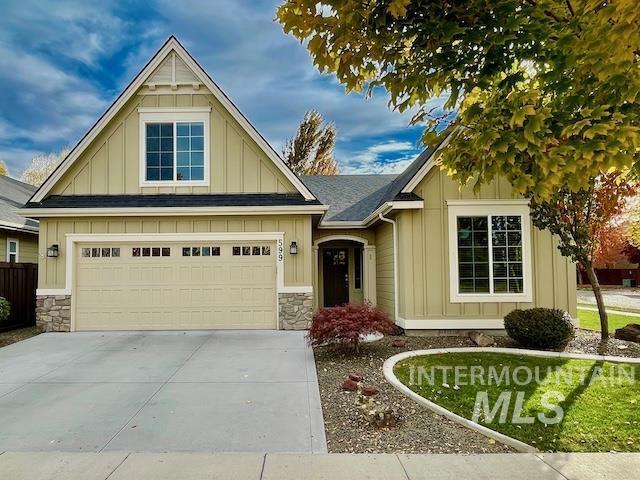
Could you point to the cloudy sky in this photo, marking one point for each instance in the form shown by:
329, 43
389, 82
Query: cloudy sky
62, 63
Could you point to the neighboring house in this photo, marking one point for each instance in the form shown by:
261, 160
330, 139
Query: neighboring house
173, 212
18, 234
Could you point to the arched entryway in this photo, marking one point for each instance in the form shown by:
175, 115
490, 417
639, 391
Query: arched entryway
344, 270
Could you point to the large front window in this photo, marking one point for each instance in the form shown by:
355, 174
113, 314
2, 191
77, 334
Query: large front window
174, 146
489, 252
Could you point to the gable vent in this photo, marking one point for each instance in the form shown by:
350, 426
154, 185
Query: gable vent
172, 72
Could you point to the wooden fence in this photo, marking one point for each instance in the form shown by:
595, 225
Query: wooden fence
18, 285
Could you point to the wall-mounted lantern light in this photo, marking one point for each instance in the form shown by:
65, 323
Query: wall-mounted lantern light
293, 248
52, 251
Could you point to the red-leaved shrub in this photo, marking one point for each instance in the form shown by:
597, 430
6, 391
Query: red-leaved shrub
345, 324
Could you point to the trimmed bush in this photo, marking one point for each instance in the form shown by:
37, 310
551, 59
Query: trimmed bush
539, 327
347, 323
5, 309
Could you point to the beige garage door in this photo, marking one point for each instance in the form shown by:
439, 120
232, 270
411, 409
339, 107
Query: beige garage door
171, 286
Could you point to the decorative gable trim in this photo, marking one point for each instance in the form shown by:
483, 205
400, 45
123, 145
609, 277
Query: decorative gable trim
173, 72
172, 45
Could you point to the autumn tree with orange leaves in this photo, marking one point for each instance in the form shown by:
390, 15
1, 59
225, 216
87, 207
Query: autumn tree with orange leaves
578, 219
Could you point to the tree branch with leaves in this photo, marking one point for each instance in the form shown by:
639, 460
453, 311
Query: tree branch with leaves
544, 93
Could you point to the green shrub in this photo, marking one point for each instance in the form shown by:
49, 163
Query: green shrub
5, 308
539, 327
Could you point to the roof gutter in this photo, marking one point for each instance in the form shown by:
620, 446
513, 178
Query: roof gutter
394, 226
19, 227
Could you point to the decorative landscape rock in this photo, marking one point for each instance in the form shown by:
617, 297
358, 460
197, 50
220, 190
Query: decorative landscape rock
630, 332
370, 391
350, 386
399, 342
481, 340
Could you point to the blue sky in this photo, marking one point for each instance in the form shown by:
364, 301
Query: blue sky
62, 63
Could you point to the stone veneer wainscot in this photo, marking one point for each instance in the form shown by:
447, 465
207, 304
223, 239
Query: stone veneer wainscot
295, 310
53, 313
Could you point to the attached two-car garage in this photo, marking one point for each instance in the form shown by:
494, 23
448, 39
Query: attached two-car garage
175, 285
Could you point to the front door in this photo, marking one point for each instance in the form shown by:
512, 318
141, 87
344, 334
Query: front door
335, 263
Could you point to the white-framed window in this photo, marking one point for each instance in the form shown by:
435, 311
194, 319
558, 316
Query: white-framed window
13, 250
489, 251
174, 146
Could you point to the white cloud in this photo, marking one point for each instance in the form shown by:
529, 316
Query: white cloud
64, 65
379, 158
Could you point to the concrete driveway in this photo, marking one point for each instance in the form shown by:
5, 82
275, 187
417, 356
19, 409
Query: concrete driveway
213, 391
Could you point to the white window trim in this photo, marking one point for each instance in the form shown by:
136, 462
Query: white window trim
465, 208
173, 115
17, 252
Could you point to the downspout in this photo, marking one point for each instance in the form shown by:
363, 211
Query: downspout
396, 305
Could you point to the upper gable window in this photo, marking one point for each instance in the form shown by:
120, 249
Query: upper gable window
174, 146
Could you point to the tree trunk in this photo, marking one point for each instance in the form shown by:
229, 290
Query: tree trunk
595, 286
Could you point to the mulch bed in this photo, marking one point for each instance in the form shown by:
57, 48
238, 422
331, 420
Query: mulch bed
13, 336
419, 429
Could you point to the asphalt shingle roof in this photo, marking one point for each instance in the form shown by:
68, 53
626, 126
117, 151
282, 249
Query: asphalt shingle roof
355, 197
171, 200
13, 195
350, 197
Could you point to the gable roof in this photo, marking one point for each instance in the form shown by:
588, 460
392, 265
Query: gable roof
152, 68
13, 195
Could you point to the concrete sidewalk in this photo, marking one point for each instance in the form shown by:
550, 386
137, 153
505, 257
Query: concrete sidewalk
200, 466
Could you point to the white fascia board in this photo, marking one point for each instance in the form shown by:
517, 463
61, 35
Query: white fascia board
17, 227
417, 178
170, 211
171, 44
426, 168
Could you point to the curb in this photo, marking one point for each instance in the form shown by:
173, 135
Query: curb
387, 370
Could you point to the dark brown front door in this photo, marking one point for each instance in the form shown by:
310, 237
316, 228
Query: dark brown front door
335, 263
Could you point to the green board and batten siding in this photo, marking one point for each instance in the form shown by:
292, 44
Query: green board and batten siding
424, 260
111, 164
27, 246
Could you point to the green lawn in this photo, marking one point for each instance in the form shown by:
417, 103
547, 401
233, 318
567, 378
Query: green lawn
599, 416
591, 321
